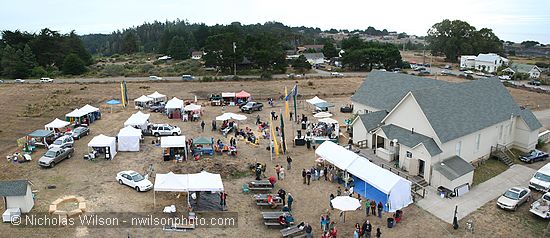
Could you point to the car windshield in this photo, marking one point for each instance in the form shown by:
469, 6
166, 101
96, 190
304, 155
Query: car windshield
543, 177
250, 104
50, 154
511, 195
169, 127
533, 152
137, 177
78, 130
546, 197
58, 142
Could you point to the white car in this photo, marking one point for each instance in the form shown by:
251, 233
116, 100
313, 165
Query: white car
165, 130
513, 198
63, 142
1, 81
155, 78
336, 74
46, 80
19, 80
134, 180
505, 77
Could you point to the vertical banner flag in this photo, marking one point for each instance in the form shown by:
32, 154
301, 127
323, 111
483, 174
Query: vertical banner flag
272, 128
286, 104
283, 134
122, 94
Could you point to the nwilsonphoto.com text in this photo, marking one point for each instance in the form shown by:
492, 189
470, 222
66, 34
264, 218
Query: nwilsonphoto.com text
134, 220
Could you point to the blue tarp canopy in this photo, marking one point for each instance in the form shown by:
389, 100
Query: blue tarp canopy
113, 102
41, 133
323, 105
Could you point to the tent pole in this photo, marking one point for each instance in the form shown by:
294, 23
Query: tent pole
154, 199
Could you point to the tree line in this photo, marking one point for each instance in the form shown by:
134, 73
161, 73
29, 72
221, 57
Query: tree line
47, 53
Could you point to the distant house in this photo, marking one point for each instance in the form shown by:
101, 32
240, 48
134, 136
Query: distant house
166, 57
17, 194
197, 55
314, 58
306, 48
532, 70
436, 129
483, 62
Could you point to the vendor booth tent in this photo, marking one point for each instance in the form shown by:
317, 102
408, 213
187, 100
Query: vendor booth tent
91, 112
56, 124
242, 95
192, 107
374, 182
328, 120
315, 100
172, 142
75, 115
231, 116
171, 182
143, 101
322, 115
157, 97
139, 120
128, 139
205, 181
103, 141
336, 155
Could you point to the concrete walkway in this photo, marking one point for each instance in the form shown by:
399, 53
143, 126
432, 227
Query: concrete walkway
517, 175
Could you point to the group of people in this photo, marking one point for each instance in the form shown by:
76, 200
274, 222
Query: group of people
365, 230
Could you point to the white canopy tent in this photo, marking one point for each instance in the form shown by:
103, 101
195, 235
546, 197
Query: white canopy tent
157, 97
76, 113
192, 107
315, 100
322, 115
174, 103
128, 139
86, 109
336, 155
229, 116
138, 119
229, 95
143, 99
205, 181
56, 124
103, 141
328, 120
171, 182
172, 142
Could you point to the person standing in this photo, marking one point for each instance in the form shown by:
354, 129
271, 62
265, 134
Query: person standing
282, 172
339, 191
278, 172
258, 122
378, 233
367, 229
334, 232
223, 197
304, 175
380, 208
330, 201
356, 232
289, 162
325, 173
367, 207
282, 195
308, 230
290, 200
213, 125
373, 207
322, 221
202, 125
308, 176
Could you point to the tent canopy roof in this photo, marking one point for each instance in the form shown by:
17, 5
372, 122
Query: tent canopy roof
242, 94
202, 181
323, 105
172, 142
229, 116
136, 119
174, 103
205, 181
171, 182
228, 95
57, 124
328, 121
192, 107
102, 141
76, 113
143, 98
129, 131
335, 154
40, 133
156, 95
202, 141
315, 100
113, 102
89, 109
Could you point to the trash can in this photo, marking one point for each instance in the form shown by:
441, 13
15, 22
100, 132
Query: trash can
391, 222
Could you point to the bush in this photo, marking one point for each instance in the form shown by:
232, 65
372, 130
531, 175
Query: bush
112, 70
38, 71
540, 144
520, 76
266, 75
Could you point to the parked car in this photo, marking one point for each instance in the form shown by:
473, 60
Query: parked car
252, 106
1, 81
534, 83
448, 66
513, 198
187, 77
19, 80
505, 77
533, 156
157, 107
165, 130
54, 156
46, 80
541, 207
337, 74
215, 99
346, 109
79, 132
541, 179
469, 72
291, 76
444, 72
65, 141
134, 180
155, 78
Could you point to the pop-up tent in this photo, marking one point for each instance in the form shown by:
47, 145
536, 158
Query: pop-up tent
139, 120
370, 180
174, 107
76, 115
231, 116
104, 144
170, 182
174, 147
56, 125
91, 111
128, 139
205, 182
143, 101
315, 100
199, 182
157, 97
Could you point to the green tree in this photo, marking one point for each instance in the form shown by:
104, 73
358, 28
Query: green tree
28, 58
73, 65
329, 50
73, 44
300, 64
130, 43
529, 43
178, 48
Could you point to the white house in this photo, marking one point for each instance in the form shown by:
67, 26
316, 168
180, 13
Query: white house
483, 62
428, 125
314, 58
197, 55
532, 70
17, 194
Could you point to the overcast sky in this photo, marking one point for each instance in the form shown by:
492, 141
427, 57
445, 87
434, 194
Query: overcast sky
513, 20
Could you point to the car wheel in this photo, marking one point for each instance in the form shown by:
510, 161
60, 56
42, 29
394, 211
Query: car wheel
52, 164
515, 208
174, 134
137, 188
260, 108
157, 134
120, 181
69, 156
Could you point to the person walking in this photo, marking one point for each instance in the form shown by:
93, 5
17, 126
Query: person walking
330, 201
304, 175
290, 200
325, 173
380, 208
308, 176
282, 195
223, 198
258, 121
289, 162
373, 207
202, 125
378, 233
367, 207
308, 230
278, 172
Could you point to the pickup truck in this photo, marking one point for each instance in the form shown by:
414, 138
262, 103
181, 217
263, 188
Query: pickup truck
541, 207
54, 156
252, 106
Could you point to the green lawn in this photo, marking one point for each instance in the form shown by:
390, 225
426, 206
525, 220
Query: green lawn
490, 168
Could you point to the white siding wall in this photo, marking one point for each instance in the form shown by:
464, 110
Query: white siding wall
524, 138
362, 108
439, 180
24, 202
409, 115
359, 131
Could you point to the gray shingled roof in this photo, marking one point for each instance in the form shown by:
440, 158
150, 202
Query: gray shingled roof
522, 68
383, 90
530, 119
456, 110
13, 188
372, 120
453, 167
410, 139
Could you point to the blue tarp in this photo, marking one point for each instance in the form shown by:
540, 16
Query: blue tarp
113, 102
368, 191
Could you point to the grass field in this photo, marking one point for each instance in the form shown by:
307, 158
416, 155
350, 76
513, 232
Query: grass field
489, 169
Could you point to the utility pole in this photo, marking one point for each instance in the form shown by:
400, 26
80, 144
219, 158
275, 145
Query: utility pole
424, 54
234, 60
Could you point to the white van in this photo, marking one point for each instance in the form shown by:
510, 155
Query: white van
541, 179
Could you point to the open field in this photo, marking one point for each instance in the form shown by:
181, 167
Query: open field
29, 107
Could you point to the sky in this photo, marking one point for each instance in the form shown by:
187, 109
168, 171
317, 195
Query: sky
511, 20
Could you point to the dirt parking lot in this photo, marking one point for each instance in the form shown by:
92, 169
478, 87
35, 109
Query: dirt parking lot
29, 107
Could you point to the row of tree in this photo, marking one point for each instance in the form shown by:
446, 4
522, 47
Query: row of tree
360, 55
24, 55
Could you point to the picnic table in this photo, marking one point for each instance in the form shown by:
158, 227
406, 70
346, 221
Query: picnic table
272, 215
293, 231
263, 196
261, 200
260, 185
